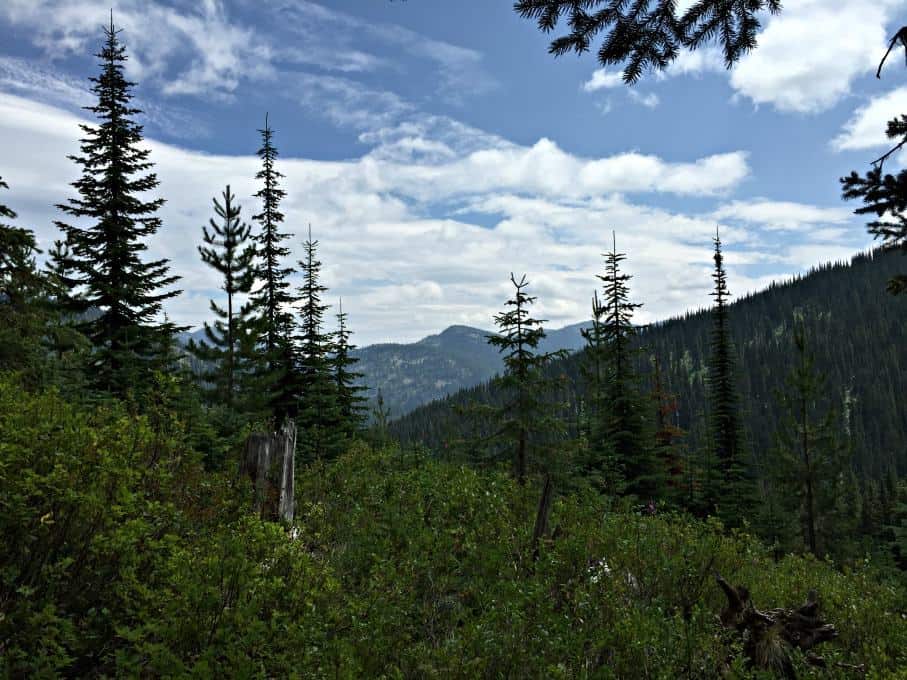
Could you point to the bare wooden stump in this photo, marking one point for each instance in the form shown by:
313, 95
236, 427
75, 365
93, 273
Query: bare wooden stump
541, 518
270, 460
769, 636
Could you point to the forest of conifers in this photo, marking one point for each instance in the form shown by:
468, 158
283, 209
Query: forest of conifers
718, 495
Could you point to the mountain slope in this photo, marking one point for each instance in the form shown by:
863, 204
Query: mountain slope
857, 332
459, 357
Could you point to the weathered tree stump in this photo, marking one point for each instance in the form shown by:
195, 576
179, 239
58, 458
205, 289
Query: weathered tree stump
269, 460
769, 636
541, 517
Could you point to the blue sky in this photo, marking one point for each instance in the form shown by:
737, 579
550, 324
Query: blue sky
435, 146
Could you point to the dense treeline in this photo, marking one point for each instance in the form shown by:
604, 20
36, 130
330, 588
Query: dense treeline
843, 312
847, 313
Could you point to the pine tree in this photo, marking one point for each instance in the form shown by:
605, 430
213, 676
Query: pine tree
809, 462
22, 293
319, 415
350, 401
106, 264
626, 417
726, 483
647, 34
379, 433
524, 418
228, 252
273, 300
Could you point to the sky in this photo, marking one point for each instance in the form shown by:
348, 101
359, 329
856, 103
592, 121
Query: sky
435, 147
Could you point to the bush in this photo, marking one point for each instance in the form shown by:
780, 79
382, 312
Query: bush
122, 556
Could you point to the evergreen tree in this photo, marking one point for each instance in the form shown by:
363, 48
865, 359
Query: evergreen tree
809, 463
350, 401
647, 34
319, 412
228, 252
379, 433
273, 300
18, 273
22, 293
523, 416
626, 417
726, 483
124, 292
884, 194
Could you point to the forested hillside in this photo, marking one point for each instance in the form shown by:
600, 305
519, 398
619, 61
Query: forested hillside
847, 313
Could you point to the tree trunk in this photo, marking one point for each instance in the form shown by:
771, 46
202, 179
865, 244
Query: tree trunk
521, 457
270, 461
541, 517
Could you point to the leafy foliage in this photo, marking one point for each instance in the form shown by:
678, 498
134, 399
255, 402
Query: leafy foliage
128, 560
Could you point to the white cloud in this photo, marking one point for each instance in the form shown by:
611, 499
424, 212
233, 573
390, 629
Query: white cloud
809, 55
415, 246
649, 100
603, 79
866, 128
781, 215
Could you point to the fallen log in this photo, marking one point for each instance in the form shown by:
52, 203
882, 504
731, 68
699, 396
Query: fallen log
269, 460
770, 636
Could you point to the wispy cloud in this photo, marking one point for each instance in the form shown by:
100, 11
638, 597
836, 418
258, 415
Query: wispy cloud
866, 127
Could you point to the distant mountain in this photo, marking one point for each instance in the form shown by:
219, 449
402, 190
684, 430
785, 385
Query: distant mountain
410, 375
198, 335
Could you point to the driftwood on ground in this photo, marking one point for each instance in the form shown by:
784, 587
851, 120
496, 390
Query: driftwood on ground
770, 636
269, 460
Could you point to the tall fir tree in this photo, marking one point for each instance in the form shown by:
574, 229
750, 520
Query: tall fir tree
350, 399
318, 414
524, 416
809, 463
106, 266
273, 299
626, 414
229, 252
727, 484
